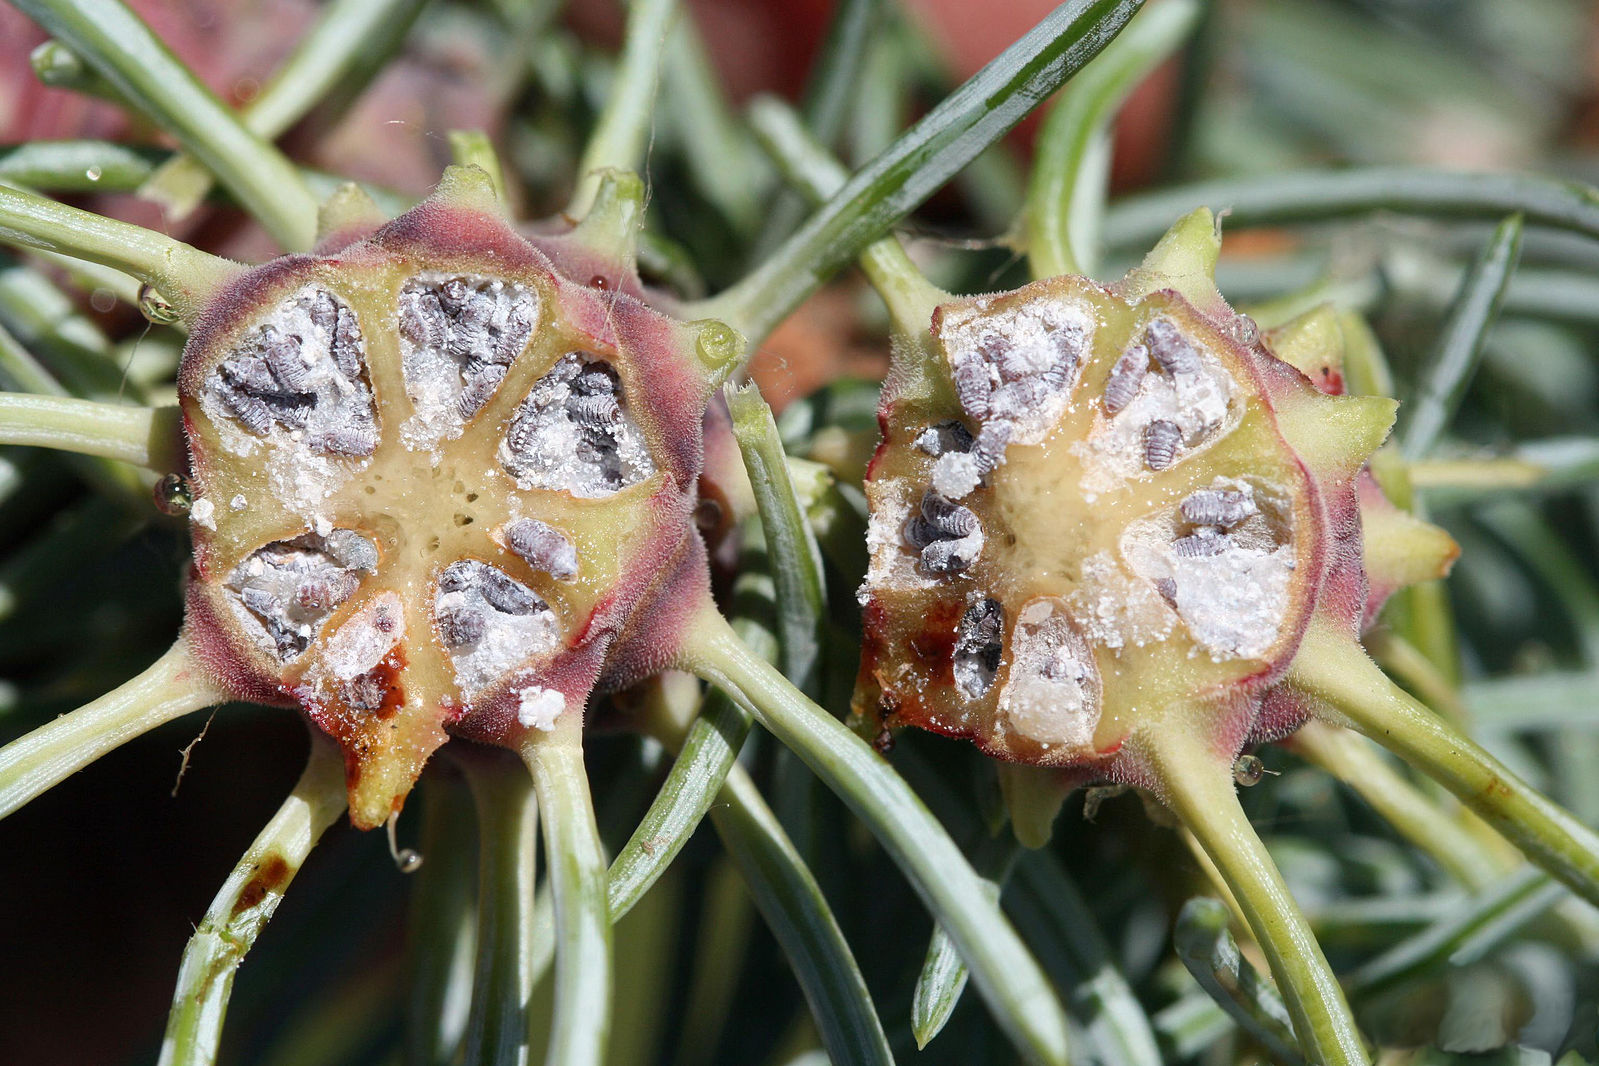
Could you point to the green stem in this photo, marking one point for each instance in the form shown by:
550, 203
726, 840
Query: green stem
98, 166
78, 166
1333, 669
1008, 977
1189, 1026
707, 743
1063, 931
59, 67
919, 162
619, 139
1355, 761
347, 47
474, 149
773, 869
144, 436
90, 277
49, 325
19, 369
577, 873
1211, 955
723, 162
719, 957
705, 755
441, 928
245, 904
1458, 353
795, 560
798, 914
944, 974
186, 276
1415, 671
1499, 911
1200, 791
172, 686
1319, 195
811, 169
108, 36
1066, 196
832, 94
508, 816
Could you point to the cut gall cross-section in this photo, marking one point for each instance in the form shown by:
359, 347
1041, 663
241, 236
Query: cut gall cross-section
440, 488
1099, 513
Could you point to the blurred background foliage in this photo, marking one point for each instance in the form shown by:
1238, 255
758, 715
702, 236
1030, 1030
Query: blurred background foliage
103, 877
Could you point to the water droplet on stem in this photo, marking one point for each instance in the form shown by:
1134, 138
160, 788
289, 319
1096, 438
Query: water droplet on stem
406, 860
174, 495
1248, 770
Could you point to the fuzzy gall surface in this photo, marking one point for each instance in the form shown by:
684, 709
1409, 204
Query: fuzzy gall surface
1100, 513
440, 488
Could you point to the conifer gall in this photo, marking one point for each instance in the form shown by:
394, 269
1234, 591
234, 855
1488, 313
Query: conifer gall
440, 487
1100, 513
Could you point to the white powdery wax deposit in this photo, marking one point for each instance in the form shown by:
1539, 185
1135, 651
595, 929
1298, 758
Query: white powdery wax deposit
572, 434
458, 334
1031, 355
362, 641
956, 475
498, 624
1201, 404
892, 560
538, 708
285, 592
1233, 596
1052, 695
1234, 602
1115, 610
298, 379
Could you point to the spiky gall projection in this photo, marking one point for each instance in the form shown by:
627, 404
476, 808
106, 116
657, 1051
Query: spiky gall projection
440, 485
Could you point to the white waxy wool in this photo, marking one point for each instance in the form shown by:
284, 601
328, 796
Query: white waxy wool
1116, 610
298, 381
1202, 404
1052, 694
369, 634
458, 334
538, 708
573, 432
1029, 355
491, 623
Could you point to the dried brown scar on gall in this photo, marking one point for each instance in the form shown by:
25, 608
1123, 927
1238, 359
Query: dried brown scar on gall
490, 623
286, 591
458, 336
300, 376
574, 433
